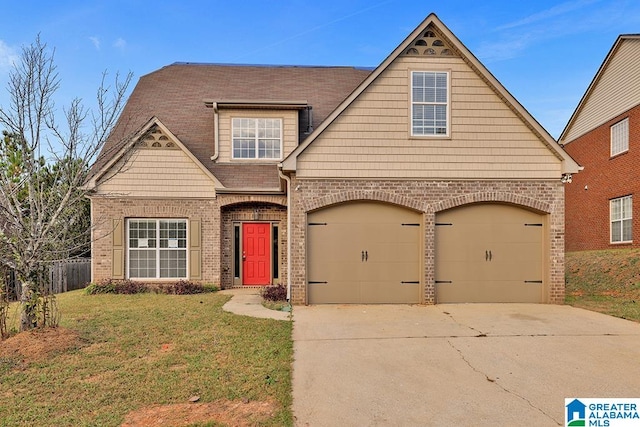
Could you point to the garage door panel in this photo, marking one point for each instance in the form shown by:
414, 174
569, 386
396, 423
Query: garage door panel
364, 253
489, 253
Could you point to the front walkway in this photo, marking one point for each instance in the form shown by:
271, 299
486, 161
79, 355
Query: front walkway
248, 302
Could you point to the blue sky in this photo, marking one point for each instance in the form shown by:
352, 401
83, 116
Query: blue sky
544, 52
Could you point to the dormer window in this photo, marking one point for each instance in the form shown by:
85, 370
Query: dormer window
255, 138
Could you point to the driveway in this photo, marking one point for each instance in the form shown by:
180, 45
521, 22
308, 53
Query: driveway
456, 365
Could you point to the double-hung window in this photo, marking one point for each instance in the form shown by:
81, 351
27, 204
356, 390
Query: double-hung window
157, 248
620, 137
621, 219
255, 138
430, 103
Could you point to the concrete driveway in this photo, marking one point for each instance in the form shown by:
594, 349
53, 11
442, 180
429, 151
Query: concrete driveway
456, 365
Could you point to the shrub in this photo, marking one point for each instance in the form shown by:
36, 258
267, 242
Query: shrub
275, 293
182, 287
116, 286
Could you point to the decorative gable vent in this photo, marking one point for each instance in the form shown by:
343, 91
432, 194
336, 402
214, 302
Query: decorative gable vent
155, 139
430, 44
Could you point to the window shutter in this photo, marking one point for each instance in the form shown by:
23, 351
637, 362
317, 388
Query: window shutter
117, 258
195, 250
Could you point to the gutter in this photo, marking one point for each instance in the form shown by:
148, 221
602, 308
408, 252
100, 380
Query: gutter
216, 131
288, 180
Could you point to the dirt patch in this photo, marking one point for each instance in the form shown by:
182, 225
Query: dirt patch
228, 412
39, 344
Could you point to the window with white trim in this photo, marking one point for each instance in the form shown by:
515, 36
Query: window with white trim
621, 219
430, 103
255, 138
620, 137
157, 248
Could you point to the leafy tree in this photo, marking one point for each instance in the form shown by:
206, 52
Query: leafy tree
43, 208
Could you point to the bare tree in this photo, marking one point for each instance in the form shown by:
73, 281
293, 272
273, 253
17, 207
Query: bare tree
42, 202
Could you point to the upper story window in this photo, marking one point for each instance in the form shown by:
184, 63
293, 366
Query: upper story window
621, 219
157, 248
255, 138
620, 137
429, 103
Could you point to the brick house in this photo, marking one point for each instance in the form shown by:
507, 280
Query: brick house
420, 181
603, 136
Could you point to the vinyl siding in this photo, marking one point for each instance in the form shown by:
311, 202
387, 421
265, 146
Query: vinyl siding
371, 138
617, 91
158, 172
289, 123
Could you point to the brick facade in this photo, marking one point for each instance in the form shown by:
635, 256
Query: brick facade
215, 215
603, 178
429, 197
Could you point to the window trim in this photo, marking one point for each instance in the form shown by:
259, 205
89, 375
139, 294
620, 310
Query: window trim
620, 220
257, 139
624, 122
447, 133
157, 249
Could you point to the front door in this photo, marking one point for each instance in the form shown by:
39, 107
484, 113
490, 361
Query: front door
256, 254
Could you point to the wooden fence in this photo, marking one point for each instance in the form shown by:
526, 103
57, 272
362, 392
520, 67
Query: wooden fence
58, 277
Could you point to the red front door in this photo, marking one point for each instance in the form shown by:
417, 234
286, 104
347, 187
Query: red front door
256, 253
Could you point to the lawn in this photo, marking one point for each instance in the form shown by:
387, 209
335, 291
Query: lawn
606, 281
131, 359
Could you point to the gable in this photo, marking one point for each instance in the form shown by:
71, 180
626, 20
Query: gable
614, 90
371, 138
156, 166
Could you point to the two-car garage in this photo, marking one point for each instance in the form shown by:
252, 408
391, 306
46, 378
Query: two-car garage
370, 252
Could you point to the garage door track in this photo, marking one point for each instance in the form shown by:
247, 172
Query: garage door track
456, 365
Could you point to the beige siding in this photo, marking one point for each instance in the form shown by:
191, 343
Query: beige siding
289, 123
158, 172
371, 138
617, 91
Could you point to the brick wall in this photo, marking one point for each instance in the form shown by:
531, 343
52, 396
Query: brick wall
603, 178
215, 233
429, 197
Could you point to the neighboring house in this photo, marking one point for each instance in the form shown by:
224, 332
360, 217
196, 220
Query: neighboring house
603, 136
421, 181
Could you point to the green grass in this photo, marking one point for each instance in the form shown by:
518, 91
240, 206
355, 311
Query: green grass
606, 281
142, 350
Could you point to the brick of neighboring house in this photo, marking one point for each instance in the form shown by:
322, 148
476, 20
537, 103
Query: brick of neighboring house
429, 197
604, 178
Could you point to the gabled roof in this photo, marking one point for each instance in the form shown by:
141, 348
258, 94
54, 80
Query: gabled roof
622, 93
569, 165
176, 94
125, 149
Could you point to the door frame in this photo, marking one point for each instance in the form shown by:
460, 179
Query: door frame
275, 249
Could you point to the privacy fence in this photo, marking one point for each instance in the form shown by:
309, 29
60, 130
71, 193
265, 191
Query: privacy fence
57, 277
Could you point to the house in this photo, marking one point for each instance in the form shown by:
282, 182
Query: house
603, 136
421, 181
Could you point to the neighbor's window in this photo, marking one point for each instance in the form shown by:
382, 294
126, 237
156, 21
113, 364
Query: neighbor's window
621, 218
257, 138
157, 248
620, 137
429, 103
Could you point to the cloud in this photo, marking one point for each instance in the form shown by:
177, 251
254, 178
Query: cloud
8, 56
120, 43
95, 41
546, 14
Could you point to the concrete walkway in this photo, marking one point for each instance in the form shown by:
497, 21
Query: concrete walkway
248, 302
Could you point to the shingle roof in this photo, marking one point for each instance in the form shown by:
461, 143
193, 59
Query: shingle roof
175, 94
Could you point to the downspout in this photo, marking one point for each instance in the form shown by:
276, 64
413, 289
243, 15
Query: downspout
288, 179
216, 132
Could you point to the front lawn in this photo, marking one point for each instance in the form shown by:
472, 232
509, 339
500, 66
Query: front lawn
133, 359
606, 281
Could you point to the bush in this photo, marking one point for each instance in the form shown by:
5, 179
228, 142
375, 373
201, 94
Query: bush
115, 286
182, 287
275, 293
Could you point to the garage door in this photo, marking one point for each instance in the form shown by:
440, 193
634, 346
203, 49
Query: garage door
363, 252
489, 253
